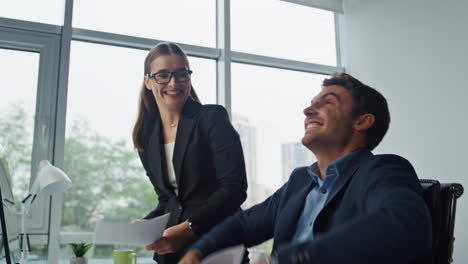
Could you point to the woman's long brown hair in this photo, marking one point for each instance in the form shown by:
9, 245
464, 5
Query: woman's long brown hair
147, 107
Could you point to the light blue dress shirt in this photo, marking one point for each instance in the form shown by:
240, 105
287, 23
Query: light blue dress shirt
315, 200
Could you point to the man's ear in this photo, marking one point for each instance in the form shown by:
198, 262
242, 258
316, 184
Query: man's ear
364, 122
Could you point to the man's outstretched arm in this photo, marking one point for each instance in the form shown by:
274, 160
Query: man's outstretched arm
249, 227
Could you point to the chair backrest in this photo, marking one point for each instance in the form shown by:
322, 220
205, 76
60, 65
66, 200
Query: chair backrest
442, 202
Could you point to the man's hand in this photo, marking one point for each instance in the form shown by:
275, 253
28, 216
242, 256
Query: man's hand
191, 257
262, 261
172, 239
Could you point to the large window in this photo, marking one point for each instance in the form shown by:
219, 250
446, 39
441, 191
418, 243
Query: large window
85, 73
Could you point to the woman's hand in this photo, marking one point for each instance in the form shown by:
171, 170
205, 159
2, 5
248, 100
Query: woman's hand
191, 257
172, 239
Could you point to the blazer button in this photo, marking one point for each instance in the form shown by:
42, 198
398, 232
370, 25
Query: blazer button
180, 207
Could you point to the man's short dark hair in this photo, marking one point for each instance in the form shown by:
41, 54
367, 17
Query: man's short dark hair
365, 100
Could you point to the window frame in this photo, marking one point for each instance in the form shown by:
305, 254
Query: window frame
44, 40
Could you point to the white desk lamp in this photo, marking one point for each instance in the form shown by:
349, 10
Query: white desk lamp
50, 180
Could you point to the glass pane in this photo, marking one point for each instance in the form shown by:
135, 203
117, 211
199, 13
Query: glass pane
290, 31
18, 86
49, 11
185, 21
102, 107
268, 103
267, 107
204, 79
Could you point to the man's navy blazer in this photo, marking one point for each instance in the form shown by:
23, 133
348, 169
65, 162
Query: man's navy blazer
374, 213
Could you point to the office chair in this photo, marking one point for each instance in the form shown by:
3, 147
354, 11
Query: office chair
441, 200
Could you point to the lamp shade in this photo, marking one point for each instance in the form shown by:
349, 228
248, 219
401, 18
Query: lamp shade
50, 180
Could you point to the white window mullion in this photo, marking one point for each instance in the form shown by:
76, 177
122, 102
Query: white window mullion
223, 42
55, 219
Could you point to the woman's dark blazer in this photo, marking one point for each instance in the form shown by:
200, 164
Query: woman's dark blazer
209, 168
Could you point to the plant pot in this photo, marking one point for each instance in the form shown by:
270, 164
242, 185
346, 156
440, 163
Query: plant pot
78, 260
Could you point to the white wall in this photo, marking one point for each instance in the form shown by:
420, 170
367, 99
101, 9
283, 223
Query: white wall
415, 53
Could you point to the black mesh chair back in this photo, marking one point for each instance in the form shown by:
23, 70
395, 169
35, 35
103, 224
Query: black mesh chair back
442, 202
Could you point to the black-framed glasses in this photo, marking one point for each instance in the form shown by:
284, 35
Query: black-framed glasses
165, 77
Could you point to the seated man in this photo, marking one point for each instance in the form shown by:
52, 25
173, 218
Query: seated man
348, 207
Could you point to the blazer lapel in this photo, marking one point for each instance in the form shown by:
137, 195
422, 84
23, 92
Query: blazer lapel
351, 168
292, 211
184, 131
341, 181
157, 157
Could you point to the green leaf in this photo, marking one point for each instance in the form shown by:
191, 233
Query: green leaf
80, 249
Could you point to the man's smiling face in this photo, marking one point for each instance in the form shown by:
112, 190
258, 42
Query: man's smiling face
329, 121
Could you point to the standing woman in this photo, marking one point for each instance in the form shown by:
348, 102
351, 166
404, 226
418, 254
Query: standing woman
191, 153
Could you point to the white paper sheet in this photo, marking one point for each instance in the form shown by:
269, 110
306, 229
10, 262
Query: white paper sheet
232, 255
141, 233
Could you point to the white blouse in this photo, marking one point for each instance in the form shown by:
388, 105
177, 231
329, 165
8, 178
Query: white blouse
169, 149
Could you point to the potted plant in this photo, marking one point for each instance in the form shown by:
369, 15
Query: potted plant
79, 251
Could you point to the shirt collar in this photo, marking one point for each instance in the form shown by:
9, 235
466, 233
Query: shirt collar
337, 167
